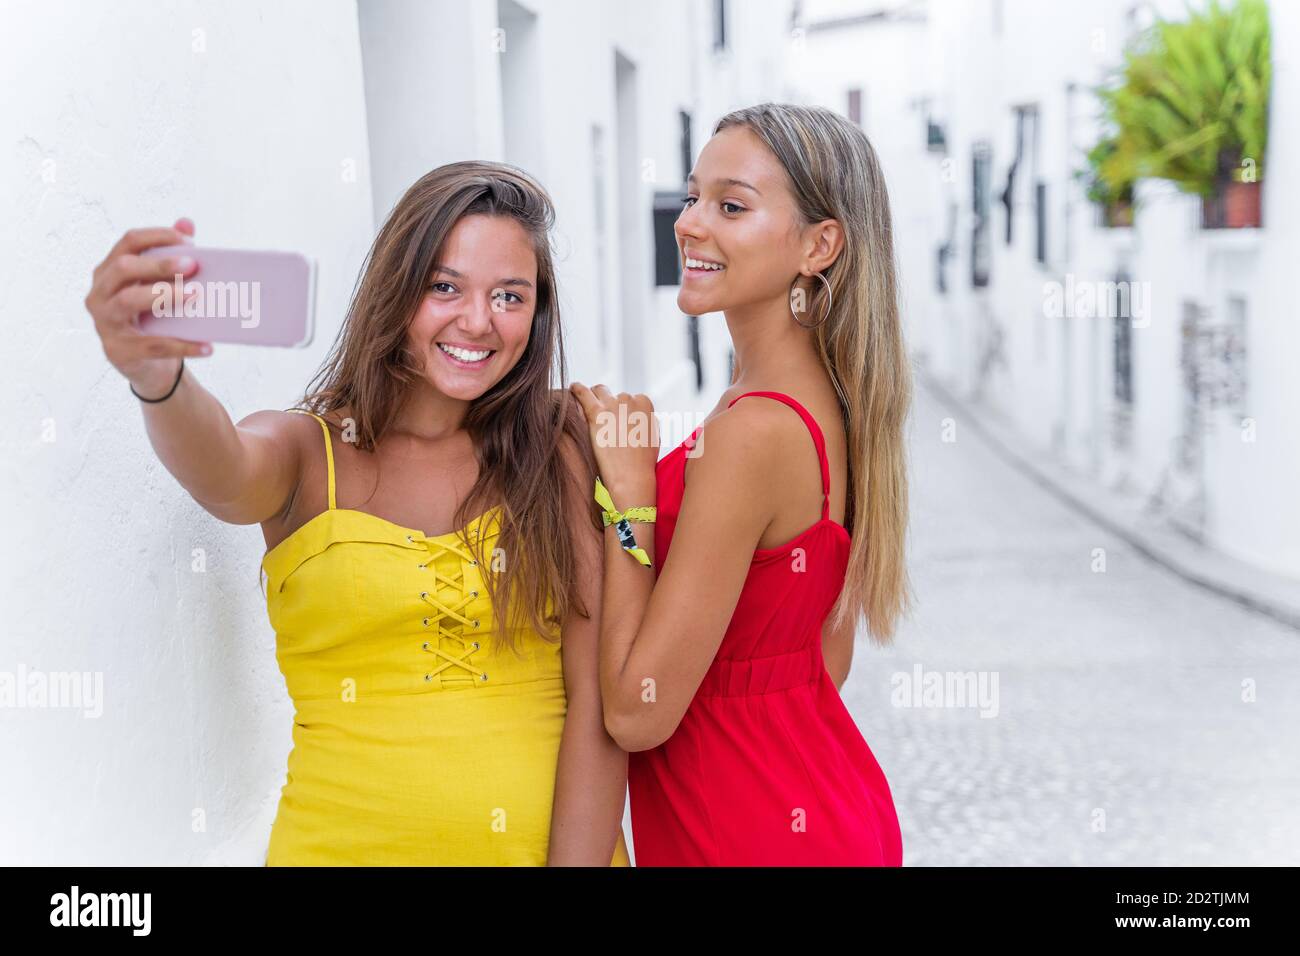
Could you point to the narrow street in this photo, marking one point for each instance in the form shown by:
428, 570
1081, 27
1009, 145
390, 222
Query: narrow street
1136, 718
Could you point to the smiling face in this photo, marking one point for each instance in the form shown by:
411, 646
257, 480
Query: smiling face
739, 214
477, 313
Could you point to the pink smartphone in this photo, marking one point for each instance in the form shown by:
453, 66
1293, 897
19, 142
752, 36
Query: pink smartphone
243, 297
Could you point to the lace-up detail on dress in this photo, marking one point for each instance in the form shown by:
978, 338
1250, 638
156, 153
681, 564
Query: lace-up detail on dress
450, 620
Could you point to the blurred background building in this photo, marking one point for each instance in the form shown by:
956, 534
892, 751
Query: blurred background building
1167, 376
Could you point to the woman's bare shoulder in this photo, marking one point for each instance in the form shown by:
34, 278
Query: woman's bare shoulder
296, 440
750, 437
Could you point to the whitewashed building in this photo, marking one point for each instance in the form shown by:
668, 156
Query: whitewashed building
982, 111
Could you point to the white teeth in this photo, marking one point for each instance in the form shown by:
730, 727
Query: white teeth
701, 264
463, 354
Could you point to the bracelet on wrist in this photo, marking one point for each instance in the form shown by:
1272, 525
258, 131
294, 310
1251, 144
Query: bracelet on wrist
622, 521
179, 372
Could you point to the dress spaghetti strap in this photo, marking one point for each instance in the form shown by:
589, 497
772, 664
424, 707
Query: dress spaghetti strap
329, 451
818, 440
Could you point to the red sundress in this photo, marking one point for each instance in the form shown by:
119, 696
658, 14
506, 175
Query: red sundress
767, 767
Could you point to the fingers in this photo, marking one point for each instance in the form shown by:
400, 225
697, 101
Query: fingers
135, 275
135, 241
128, 268
594, 400
131, 348
599, 399
126, 306
586, 400
600, 395
185, 226
161, 346
600, 390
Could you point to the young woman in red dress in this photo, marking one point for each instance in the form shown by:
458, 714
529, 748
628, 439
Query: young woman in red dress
786, 515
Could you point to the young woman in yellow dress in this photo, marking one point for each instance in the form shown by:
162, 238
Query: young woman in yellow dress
433, 571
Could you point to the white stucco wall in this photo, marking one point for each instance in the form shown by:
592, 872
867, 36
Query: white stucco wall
1257, 518
118, 115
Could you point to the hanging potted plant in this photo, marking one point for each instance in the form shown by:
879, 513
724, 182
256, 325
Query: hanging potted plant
1106, 186
1192, 107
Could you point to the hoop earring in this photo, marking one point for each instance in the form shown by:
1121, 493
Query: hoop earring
830, 302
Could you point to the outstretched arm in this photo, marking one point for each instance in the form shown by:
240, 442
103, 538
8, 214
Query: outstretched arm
242, 473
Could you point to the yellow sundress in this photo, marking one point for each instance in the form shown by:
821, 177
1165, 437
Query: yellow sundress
415, 741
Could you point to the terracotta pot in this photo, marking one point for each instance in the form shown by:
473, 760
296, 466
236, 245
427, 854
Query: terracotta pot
1235, 205
1241, 205
1117, 214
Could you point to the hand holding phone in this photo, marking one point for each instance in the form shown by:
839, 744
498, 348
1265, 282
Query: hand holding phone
120, 289
239, 296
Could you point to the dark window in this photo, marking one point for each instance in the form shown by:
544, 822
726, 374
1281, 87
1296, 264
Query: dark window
667, 258
1040, 218
688, 154
1009, 193
1008, 198
692, 322
855, 106
981, 254
934, 138
693, 329
1121, 308
946, 250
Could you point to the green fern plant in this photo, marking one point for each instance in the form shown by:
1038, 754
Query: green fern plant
1098, 187
1192, 101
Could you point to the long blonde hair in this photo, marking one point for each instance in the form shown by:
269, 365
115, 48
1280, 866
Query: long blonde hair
834, 174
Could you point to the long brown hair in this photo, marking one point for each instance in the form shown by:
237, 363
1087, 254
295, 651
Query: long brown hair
516, 426
834, 174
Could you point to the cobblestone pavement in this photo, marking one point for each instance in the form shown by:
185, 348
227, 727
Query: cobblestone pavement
1131, 717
